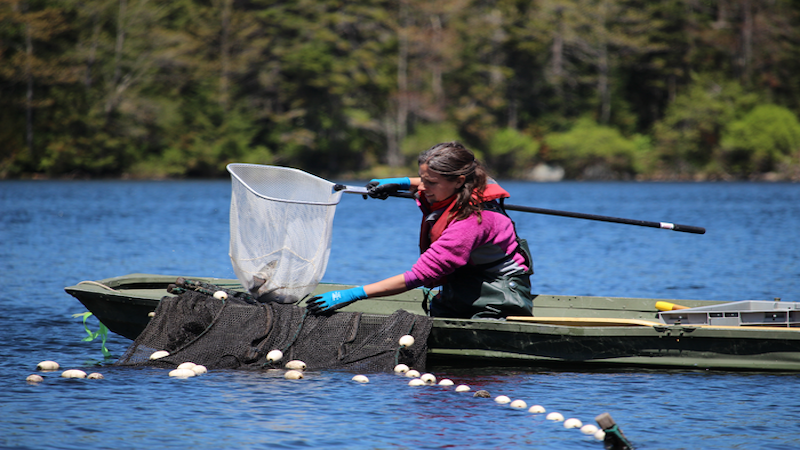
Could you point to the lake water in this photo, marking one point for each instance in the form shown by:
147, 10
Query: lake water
58, 233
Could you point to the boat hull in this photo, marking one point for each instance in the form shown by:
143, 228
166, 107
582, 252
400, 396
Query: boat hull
585, 332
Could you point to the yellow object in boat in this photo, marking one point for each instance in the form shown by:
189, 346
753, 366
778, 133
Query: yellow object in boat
667, 306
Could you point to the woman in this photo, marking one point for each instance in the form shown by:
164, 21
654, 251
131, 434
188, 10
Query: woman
468, 244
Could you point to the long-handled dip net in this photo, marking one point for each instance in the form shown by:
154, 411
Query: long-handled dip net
280, 224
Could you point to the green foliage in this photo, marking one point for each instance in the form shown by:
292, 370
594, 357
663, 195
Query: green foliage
593, 151
763, 138
209, 141
180, 88
508, 141
511, 152
427, 135
689, 135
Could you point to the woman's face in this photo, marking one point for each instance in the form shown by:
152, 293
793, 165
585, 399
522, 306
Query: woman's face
436, 187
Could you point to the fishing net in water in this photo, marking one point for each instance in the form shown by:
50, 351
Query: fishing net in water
238, 333
280, 222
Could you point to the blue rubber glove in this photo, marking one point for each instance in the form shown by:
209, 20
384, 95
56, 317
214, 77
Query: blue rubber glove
333, 300
382, 187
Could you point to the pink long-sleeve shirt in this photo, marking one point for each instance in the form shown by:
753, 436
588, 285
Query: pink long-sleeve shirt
467, 242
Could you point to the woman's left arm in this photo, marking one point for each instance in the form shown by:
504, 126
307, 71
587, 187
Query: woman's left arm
333, 300
389, 286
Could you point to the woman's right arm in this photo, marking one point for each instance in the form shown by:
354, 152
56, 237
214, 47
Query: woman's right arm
415, 182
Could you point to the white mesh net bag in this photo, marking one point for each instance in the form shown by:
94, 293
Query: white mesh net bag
281, 222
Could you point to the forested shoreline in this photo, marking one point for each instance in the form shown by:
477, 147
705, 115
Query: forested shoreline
545, 90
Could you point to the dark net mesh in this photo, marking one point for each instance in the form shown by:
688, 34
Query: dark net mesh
236, 333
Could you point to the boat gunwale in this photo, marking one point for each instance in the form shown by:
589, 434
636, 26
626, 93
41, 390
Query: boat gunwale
123, 286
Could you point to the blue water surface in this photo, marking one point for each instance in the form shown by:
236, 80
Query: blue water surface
57, 233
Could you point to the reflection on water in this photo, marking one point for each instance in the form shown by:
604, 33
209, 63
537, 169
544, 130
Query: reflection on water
54, 234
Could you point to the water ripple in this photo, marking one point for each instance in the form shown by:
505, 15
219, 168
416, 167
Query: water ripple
56, 234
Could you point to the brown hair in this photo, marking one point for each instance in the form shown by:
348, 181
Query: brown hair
451, 160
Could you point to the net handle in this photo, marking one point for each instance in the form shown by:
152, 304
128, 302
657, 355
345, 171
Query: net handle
553, 212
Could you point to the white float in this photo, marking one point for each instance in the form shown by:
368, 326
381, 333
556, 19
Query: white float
274, 356
406, 341
428, 378
182, 373
600, 435
502, 399
73, 373
293, 375
518, 404
296, 364
159, 354
401, 368
48, 365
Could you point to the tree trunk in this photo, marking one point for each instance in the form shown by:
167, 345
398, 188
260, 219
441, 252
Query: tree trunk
224, 81
603, 85
436, 67
513, 112
747, 40
395, 137
392, 144
29, 93
557, 49
495, 73
88, 80
111, 101
603, 69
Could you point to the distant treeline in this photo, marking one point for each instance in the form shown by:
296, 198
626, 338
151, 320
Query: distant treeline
586, 89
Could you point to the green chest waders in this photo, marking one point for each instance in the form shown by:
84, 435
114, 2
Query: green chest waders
472, 292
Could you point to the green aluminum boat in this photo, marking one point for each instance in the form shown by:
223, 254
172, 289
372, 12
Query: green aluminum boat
576, 332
